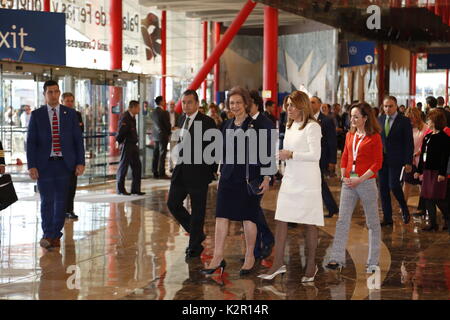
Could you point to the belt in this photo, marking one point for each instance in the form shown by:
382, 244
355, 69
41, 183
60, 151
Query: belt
55, 158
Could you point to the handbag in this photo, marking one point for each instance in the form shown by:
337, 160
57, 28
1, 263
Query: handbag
252, 185
7, 192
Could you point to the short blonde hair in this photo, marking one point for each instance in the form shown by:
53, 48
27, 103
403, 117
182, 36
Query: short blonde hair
416, 115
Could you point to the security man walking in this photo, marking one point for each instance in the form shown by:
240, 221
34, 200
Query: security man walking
128, 140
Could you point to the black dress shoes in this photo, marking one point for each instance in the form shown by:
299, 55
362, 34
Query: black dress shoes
406, 217
386, 223
71, 215
138, 193
164, 177
124, 193
330, 215
266, 251
193, 253
430, 228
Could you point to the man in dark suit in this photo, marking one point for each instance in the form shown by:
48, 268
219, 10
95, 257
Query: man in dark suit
440, 104
174, 117
55, 150
264, 237
2, 159
128, 139
398, 149
270, 107
328, 156
161, 134
191, 178
68, 100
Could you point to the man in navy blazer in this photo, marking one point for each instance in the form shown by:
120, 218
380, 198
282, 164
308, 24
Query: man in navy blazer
55, 151
328, 157
264, 237
398, 149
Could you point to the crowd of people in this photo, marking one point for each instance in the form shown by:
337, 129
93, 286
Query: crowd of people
384, 151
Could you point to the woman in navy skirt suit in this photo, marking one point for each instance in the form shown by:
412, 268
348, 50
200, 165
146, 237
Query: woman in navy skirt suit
234, 201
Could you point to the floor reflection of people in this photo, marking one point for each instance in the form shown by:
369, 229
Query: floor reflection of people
126, 247
192, 289
54, 282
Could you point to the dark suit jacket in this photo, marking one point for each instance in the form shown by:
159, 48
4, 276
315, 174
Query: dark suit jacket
127, 130
328, 142
39, 141
161, 124
80, 120
398, 147
2, 154
437, 147
196, 174
237, 172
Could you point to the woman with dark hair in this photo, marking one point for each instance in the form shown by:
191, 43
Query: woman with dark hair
299, 199
432, 168
235, 200
361, 160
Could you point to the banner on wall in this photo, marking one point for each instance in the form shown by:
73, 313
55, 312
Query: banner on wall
357, 53
22, 40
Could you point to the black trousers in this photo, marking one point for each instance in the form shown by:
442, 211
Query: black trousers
193, 223
159, 157
71, 192
389, 177
327, 196
129, 157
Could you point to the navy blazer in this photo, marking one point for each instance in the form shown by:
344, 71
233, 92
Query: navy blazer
236, 172
398, 147
39, 142
328, 142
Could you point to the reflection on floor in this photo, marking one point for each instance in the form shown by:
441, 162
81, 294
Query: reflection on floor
135, 250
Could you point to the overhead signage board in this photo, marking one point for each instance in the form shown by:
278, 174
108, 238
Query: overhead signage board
360, 53
32, 36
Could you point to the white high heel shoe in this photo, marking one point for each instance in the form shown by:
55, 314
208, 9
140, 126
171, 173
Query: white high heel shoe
310, 279
281, 270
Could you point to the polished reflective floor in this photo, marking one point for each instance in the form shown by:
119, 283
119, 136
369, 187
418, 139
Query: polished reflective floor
131, 248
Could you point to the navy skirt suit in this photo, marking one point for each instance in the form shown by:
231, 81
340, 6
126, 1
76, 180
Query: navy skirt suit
234, 202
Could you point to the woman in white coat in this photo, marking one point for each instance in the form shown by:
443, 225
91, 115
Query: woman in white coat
300, 195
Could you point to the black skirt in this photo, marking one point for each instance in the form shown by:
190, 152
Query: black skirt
234, 202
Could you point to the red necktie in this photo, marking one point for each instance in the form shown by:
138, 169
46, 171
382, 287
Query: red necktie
55, 135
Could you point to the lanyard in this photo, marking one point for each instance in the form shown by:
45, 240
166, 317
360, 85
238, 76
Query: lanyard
355, 147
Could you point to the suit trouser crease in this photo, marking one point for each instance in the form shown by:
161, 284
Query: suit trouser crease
327, 197
193, 223
264, 235
53, 184
71, 193
159, 157
367, 193
129, 157
390, 181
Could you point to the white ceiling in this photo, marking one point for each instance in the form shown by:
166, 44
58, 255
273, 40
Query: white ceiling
221, 11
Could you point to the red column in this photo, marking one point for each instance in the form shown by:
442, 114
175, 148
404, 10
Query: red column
217, 65
221, 46
47, 5
163, 53
446, 87
270, 68
430, 5
205, 54
412, 78
381, 71
115, 93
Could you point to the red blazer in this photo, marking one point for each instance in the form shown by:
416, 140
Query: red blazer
370, 155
